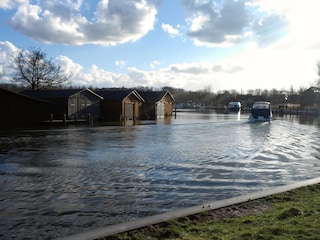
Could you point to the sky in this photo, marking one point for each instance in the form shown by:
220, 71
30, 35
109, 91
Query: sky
190, 44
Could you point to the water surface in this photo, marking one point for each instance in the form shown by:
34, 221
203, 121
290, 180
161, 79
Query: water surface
57, 182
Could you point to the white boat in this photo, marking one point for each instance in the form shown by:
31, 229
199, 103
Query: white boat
234, 106
260, 112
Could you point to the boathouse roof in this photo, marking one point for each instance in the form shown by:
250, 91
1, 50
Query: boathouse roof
155, 96
56, 93
118, 95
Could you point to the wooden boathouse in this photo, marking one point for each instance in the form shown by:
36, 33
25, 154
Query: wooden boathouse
20, 110
157, 104
69, 103
119, 105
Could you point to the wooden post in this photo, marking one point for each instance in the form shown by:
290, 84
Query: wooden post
65, 119
90, 120
51, 118
76, 118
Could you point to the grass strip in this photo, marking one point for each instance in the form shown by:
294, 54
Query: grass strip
290, 215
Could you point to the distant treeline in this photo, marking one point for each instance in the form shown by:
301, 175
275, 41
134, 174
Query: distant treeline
303, 98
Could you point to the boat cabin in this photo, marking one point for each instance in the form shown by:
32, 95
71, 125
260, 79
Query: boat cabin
261, 111
234, 106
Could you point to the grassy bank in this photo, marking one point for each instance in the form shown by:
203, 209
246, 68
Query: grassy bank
290, 215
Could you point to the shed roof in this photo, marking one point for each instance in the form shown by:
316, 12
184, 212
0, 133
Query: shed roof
118, 95
21, 96
55, 93
155, 96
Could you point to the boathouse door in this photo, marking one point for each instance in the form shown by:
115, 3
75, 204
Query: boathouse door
128, 113
160, 110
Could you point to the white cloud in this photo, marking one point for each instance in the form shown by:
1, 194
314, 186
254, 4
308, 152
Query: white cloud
154, 63
114, 22
210, 24
190, 68
303, 24
68, 66
139, 77
97, 77
7, 52
10, 4
120, 63
250, 70
169, 29
226, 23
197, 21
273, 67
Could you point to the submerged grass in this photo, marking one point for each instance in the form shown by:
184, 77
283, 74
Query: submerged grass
290, 215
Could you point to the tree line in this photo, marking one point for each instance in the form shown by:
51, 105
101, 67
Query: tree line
304, 97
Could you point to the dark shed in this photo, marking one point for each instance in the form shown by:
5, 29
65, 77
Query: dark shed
157, 104
20, 110
120, 105
72, 102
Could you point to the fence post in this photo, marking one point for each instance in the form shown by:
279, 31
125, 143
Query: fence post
65, 119
90, 120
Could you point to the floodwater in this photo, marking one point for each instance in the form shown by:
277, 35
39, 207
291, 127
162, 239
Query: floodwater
58, 182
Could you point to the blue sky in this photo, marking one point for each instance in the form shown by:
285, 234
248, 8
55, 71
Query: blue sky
189, 44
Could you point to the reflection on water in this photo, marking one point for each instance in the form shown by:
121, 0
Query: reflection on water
58, 182
309, 119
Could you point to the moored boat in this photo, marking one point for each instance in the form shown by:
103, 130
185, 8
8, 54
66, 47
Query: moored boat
260, 112
234, 106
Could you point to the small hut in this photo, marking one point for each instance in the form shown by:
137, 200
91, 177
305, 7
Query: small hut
157, 104
120, 105
70, 102
20, 110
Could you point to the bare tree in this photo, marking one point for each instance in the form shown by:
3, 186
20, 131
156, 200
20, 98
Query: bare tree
33, 69
318, 71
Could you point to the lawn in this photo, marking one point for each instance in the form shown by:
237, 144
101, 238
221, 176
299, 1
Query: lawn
290, 215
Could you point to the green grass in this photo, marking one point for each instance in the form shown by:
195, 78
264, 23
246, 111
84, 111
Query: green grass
290, 215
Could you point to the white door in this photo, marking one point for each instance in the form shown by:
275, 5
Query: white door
129, 113
160, 110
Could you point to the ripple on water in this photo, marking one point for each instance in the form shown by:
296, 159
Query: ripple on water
71, 180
